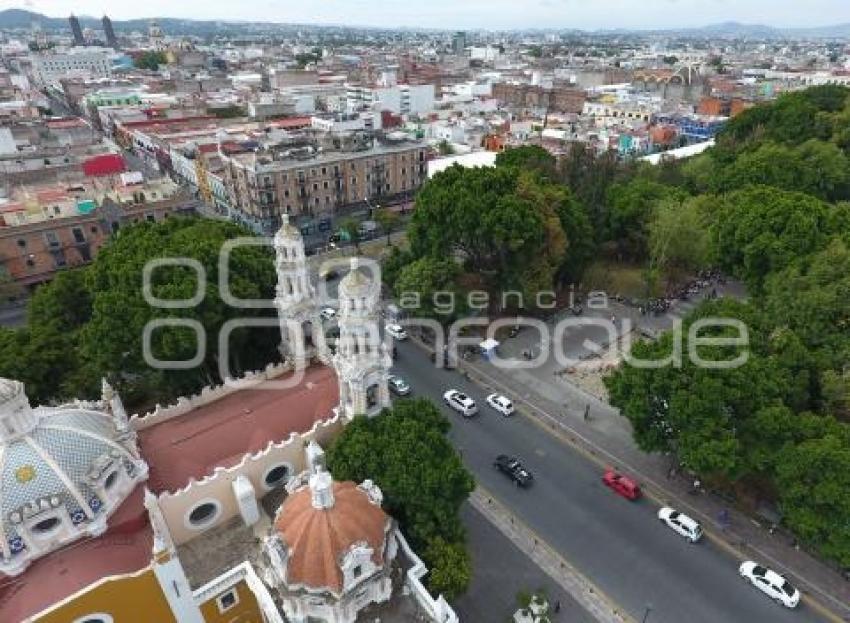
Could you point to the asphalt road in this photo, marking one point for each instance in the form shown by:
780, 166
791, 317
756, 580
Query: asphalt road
500, 570
619, 545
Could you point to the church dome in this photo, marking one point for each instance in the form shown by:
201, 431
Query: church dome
287, 232
356, 284
63, 471
321, 524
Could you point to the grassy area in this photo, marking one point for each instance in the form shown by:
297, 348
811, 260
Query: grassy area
624, 279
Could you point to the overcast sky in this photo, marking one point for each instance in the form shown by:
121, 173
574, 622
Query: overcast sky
450, 14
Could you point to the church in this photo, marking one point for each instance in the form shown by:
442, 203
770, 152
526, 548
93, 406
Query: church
218, 507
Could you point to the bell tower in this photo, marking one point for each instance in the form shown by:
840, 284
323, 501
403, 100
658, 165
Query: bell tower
361, 361
295, 299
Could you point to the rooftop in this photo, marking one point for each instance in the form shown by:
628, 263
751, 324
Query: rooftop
223, 432
128, 542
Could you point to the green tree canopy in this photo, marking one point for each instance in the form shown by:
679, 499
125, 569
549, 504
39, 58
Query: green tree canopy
406, 452
631, 207
89, 323
500, 223
530, 157
761, 229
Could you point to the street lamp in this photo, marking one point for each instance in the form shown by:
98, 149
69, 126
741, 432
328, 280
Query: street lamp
646, 613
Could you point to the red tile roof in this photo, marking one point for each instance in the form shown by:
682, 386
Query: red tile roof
291, 122
319, 538
222, 432
124, 548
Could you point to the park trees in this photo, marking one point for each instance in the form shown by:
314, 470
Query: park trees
388, 220
678, 234
502, 224
761, 229
631, 207
528, 157
90, 322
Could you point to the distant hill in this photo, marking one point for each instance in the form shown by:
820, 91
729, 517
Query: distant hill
21, 18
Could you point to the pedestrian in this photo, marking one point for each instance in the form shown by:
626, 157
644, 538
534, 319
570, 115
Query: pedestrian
557, 606
587, 412
697, 484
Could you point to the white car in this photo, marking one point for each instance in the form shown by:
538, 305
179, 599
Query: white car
398, 385
771, 583
396, 331
327, 313
500, 404
680, 523
460, 402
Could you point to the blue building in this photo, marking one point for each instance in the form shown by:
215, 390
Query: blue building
695, 128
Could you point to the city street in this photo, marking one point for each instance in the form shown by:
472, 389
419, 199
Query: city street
619, 545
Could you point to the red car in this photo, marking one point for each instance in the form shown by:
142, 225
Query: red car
623, 485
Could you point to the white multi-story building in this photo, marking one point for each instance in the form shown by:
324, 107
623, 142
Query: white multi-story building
401, 99
485, 54
84, 62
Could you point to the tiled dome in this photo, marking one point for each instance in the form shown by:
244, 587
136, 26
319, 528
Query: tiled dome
63, 470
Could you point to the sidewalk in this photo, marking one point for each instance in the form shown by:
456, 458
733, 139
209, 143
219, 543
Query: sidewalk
606, 439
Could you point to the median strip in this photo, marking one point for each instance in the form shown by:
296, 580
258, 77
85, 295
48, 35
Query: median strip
586, 594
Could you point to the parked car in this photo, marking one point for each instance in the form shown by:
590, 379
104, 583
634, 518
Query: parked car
460, 402
327, 313
770, 583
514, 469
398, 385
500, 404
680, 523
621, 484
367, 229
396, 331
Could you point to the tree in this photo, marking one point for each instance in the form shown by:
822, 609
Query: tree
406, 452
707, 416
451, 572
150, 60
813, 478
501, 223
88, 323
530, 157
388, 220
352, 229
422, 279
631, 206
678, 235
111, 341
760, 230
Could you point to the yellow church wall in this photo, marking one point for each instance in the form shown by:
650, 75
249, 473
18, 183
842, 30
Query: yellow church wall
247, 610
135, 598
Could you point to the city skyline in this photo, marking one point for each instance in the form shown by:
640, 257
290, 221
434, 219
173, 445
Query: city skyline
472, 14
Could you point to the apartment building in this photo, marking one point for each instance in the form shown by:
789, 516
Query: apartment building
316, 175
31, 253
401, 99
